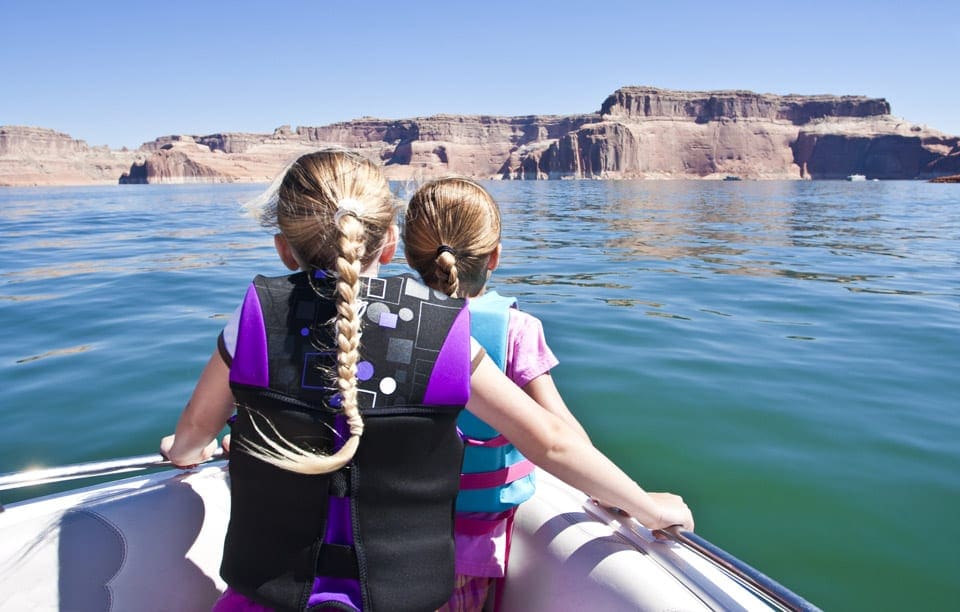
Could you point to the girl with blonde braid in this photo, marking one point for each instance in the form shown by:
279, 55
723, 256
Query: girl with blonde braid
346, 386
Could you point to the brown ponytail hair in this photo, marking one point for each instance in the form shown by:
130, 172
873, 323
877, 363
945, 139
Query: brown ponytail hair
451, 227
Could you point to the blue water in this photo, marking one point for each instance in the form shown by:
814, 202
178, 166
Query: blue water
783, 354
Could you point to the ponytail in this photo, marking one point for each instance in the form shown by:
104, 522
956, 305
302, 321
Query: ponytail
450, 231
446, 270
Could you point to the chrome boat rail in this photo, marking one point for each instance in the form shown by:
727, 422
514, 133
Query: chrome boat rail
771, 591
92, 469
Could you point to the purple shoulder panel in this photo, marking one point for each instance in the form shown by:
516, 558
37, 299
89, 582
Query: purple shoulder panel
249, 365
449, 383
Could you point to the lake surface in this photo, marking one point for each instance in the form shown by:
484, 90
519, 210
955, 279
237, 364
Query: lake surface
786, 355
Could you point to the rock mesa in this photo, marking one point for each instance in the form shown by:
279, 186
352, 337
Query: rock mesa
638, 132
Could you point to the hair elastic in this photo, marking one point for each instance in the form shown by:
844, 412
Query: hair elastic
446, 249
348, 206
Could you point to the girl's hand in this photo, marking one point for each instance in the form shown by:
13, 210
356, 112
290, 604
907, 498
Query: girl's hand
166, 443
673, 511
168, 449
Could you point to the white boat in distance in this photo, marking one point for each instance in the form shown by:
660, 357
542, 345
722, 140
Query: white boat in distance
153, 543
856, 177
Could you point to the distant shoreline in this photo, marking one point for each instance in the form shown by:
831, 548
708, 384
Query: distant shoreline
638, 133
955, 178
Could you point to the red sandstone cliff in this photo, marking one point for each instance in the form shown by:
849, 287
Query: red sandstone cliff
645, 132
40, 156
409, 148
639, 132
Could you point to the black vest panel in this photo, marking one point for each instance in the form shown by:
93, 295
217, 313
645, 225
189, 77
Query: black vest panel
404, 479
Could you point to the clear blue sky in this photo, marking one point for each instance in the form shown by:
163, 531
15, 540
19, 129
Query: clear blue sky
122, 73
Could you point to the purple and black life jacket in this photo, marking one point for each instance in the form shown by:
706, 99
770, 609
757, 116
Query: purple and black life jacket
377, 534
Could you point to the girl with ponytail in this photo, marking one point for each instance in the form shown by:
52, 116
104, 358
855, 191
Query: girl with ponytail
452, 238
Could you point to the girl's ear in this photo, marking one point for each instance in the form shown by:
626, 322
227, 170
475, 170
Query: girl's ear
285, 252
494, 260
389, 244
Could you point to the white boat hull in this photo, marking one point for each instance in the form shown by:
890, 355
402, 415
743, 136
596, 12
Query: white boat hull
153, 543
149, 543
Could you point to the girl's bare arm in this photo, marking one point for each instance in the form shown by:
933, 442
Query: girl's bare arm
204, 416
553, 445
543, 391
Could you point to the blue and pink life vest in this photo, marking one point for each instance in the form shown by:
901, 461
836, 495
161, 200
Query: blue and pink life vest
496, 477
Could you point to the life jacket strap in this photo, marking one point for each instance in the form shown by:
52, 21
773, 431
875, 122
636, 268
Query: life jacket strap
481, 526
487, 480
494, 442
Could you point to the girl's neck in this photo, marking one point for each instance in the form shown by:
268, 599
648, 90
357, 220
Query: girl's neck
371, 269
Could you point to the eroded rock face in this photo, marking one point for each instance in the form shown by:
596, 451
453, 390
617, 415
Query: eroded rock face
177, 160
664, 149
953, 178
640, 132
173, 165
646, 132
40, 156
704, 106
879, 149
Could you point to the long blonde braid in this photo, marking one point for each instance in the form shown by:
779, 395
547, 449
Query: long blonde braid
334, 208
348, 319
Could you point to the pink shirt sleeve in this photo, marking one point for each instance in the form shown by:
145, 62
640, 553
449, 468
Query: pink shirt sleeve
528, 355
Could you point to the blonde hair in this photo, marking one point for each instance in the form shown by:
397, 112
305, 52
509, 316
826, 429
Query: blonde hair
451, 227
334, 208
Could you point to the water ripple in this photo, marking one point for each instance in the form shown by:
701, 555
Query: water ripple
57, 353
